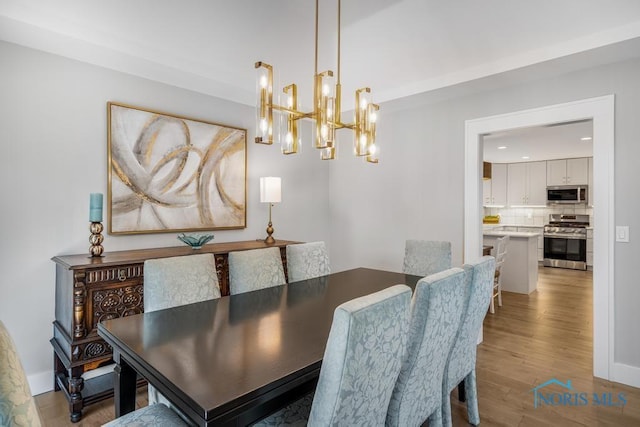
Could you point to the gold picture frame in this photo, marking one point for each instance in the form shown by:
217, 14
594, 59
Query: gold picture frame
168, 173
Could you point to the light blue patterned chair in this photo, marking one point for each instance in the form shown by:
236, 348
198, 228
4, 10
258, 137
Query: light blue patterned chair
361, 362
436, 310
425, 257
174, 281
307, 261
156, 415
255, 269
18, 408
461, 366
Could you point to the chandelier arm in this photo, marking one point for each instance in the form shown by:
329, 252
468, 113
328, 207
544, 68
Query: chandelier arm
294, 112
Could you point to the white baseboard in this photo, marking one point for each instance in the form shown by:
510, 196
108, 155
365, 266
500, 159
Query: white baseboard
625, 374
41, 382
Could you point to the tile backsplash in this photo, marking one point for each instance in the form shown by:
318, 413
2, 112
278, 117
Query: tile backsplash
535, 216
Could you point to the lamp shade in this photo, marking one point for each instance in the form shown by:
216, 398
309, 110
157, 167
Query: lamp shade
270, 189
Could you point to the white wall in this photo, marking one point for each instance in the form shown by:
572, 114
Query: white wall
417, 190
53, 138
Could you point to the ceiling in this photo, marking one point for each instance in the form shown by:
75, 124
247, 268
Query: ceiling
556, 141
396, 47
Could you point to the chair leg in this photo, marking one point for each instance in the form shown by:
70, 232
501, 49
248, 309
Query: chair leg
462, 395
492, 308
472, 398
499, 295
445, 413
435, 419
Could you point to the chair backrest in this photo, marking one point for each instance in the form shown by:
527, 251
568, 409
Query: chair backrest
479, 287
174, 281
255, 269
17, 406
362, 359
436, 310
425, 257
307, 260
501, 248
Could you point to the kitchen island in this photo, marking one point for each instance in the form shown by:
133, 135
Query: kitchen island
520, 269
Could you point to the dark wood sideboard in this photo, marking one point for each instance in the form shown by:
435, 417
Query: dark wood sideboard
89, 290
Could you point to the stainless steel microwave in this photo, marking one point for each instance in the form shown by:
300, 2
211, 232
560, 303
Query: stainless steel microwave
567, 194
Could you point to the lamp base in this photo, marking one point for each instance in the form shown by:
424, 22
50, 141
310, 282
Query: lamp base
269, 240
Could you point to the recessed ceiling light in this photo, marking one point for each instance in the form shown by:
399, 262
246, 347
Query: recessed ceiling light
585, 138
525, 157
502, 147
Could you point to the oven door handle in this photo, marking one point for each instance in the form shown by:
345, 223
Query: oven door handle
565, 236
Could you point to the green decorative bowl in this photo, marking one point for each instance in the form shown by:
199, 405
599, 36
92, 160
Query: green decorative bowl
195, 242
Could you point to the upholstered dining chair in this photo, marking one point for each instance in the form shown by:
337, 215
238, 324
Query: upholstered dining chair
461, 364
500, 255
436, 310
18, 408
174, 281
425, 257
307, 260
255, 269
360, 365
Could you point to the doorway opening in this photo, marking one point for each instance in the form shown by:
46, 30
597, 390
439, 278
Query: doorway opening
601, 112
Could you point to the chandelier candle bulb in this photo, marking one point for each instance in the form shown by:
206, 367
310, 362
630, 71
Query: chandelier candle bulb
290, 143
264, 107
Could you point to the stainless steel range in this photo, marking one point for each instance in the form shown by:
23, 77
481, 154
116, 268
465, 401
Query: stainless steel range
565, 241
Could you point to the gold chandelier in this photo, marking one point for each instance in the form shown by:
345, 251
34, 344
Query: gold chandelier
326, 111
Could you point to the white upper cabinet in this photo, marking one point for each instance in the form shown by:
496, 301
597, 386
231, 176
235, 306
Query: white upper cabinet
499, 184
567, 172
495, 189
486, 192
527, 184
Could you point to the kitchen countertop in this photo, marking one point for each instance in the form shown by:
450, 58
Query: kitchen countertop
512, 225
515, 234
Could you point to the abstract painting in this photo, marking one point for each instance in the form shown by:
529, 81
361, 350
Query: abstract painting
169, 173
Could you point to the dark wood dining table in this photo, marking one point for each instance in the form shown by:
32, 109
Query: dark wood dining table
236, 359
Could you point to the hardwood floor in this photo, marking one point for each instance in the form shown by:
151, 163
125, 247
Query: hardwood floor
533, 338
529, 340
54, 410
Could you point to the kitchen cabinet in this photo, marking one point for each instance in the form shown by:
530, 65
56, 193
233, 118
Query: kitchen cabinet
520, 269
538, 230
527, 184
495, 189
567, 171
590, 181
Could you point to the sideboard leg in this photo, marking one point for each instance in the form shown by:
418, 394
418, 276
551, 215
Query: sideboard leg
76, 384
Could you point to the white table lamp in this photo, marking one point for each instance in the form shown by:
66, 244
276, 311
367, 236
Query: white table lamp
270, 192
